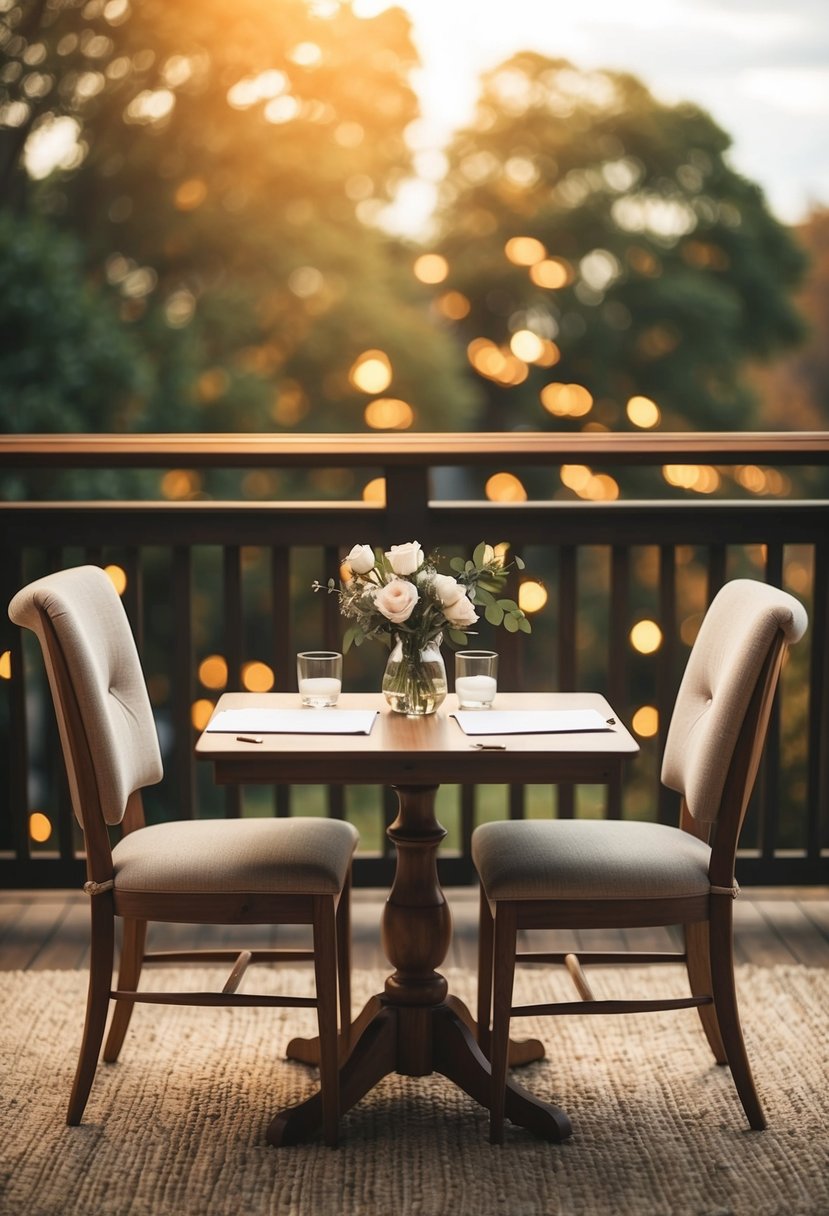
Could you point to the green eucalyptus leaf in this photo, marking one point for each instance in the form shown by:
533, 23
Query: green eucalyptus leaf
456, 637
522, 565
511, 624
457, 563
494, 614
508, 605
482, 596
479, 555
524, 625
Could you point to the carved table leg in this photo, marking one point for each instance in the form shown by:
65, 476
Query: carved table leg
413, 1028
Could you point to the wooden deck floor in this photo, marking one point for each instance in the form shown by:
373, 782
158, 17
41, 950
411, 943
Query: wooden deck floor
43, 930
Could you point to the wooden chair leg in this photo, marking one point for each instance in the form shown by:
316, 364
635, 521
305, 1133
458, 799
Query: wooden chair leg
485, 946
344, 960
698, 963
725, 1002
325, 972
97, 1003
129, 973
503, 973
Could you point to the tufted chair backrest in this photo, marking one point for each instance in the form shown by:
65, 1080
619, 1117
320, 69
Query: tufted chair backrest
104, 711
740, 628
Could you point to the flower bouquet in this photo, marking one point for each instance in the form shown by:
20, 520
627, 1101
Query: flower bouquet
400, 598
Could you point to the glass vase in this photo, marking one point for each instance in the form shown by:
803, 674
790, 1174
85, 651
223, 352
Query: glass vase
414, 681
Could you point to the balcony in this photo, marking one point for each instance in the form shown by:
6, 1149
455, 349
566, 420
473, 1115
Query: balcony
229, 580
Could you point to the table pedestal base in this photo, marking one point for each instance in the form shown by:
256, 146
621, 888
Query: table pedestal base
416, 1041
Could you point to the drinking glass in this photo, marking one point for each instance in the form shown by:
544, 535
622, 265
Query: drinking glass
319, 676
476, 678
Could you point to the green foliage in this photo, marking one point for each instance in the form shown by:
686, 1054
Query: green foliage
67, 363
671, 269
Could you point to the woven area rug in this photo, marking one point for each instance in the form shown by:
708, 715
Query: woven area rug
177, 1127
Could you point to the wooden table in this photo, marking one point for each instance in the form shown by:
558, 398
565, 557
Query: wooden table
415, 1027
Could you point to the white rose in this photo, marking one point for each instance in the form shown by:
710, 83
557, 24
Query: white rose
461, 613
405, 559
361, 559
396, 600
447, 589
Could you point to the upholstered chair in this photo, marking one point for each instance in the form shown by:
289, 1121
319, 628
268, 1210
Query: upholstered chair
241, 871
580, 874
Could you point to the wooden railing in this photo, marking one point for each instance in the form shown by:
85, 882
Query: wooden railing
232, 579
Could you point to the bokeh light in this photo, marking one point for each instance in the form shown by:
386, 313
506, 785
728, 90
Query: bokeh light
375, 491
643, 412
524, 250
117, 575
200, 712
371, 372
389, 414
703, 479
431, 268
40, 827
505, 487
646, 636
551, 273
453, 305
257, 677
180, 484
531, 597
213, 671
526, 345
6, 665
645, 721
566, 400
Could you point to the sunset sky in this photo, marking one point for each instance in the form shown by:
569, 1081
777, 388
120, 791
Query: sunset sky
760, 67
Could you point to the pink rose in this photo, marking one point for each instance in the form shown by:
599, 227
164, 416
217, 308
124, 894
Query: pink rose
447, 589
396, 600
460, 613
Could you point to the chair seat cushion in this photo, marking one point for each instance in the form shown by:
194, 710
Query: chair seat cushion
274, 856
589, 859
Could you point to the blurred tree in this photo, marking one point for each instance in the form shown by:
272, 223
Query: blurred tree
602, 249
794, 391
67, 363
225, 172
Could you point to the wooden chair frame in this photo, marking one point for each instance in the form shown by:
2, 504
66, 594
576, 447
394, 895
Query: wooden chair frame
328, 915
706, 920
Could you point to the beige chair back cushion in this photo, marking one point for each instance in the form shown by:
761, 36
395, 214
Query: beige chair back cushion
96, 641
726, 660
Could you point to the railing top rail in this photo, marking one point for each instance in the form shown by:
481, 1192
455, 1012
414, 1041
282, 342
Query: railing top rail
354, 450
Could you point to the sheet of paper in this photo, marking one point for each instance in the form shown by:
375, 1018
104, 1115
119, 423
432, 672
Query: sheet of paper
294, 721
529, 721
